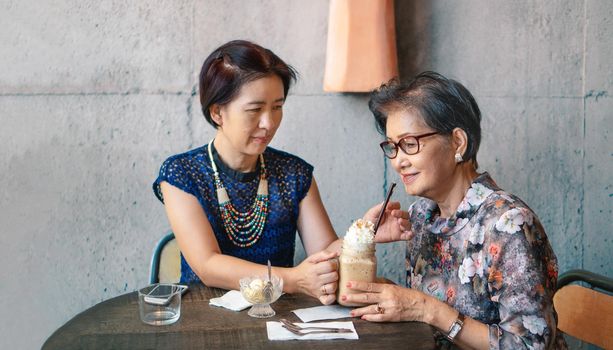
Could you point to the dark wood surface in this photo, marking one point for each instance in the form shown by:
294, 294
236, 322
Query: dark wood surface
115, 324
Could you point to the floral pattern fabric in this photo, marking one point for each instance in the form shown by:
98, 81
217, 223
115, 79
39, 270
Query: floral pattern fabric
491, 261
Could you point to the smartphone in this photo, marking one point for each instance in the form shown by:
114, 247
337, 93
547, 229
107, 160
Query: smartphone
162, 293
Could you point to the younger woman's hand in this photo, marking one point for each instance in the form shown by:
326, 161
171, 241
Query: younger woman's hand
394, 226
317, 276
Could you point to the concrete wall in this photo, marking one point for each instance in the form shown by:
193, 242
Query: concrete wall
94, 95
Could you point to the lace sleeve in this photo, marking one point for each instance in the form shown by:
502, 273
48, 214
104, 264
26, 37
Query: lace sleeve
175, 173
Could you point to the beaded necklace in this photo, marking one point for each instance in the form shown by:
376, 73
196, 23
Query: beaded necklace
243, 229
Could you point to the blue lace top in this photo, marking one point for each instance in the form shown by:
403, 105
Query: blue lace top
289, 180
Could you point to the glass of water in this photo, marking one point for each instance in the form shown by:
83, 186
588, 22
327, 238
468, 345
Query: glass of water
160, 304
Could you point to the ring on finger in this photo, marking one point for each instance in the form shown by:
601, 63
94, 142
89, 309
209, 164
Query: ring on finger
323, 289
379, 309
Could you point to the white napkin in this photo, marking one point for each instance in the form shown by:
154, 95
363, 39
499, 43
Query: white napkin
277, 332
232, 300
325, 312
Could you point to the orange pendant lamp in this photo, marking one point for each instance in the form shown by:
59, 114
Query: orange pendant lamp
361, 49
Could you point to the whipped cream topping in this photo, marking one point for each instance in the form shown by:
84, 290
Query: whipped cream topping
360, 233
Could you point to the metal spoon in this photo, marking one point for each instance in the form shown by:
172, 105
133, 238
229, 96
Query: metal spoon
301, 333
296, 327
267, 291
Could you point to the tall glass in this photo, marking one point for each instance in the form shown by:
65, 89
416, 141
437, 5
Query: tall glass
357, 263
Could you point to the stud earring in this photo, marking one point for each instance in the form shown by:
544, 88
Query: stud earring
458, 158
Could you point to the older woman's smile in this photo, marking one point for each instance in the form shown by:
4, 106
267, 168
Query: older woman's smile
408, 179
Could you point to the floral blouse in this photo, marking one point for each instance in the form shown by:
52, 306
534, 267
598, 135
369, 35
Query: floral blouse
490, 261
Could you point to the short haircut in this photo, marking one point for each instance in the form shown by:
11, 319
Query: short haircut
234, 64
444, 104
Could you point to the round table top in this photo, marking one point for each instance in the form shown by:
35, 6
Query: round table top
115, 324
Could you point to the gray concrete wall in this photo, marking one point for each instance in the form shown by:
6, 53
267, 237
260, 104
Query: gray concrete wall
94, 95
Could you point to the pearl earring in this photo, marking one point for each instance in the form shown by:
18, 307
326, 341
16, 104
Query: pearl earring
458, 158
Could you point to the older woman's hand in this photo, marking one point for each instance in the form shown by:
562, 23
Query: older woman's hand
394, 226
388, 302
317, 276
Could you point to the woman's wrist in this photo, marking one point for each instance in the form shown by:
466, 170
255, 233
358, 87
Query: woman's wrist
439, 314
287, 274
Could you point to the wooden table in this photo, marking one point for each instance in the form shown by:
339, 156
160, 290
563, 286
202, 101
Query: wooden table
115, 324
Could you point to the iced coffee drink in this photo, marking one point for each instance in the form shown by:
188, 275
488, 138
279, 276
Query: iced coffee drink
357, 260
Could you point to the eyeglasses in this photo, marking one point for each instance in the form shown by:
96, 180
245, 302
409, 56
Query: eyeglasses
408, 145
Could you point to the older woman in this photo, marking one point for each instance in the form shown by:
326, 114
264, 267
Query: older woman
234, 203
480, 267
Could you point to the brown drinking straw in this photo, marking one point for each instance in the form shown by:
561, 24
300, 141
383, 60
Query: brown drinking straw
387, 199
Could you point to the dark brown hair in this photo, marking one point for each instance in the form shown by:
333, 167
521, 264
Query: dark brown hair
232, 65
444, 104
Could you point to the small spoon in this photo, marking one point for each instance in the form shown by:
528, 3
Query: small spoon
267, 292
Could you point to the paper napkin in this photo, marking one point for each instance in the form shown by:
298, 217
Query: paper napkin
325, 312
232, 300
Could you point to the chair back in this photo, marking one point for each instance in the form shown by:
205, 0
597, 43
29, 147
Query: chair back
585, 313
166, 261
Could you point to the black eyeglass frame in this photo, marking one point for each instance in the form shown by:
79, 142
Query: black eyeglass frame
402, 141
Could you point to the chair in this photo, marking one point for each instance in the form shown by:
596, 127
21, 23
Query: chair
585, 313
166, 261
